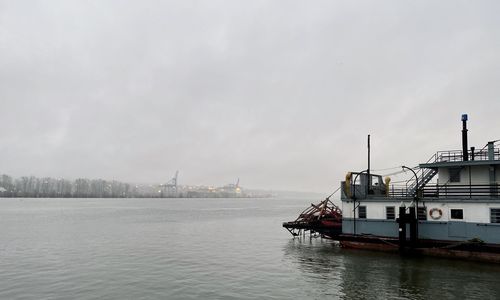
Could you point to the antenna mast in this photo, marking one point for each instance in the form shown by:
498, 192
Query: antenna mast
369, 183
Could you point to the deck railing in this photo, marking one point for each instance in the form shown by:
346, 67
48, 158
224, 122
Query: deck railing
471, 191
457, 155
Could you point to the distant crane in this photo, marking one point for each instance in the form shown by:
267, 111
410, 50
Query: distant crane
237, 188
231, 187
170, 188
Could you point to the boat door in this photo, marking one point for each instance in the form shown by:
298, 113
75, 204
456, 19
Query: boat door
456, 224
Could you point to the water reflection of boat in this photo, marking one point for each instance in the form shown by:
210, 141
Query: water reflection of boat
457, 215
356, 274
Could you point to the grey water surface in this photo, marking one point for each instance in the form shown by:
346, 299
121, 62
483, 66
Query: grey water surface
205, 249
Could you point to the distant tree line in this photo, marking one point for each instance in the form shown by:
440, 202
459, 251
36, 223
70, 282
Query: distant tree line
80, 188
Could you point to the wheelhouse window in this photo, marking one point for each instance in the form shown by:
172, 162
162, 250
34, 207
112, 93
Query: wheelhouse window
422, 213
495, 215
390, 213
457, 214
362, 212
454, 174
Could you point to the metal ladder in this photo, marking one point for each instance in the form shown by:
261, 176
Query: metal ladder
424, 176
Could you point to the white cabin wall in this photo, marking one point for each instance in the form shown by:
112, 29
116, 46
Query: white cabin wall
497, 174
479, 175
374, 210
443, 175
347, 209
473, 212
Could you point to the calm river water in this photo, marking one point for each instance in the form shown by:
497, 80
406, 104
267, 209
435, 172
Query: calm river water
204, 249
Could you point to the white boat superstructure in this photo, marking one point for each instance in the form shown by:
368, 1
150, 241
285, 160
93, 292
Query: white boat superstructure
462, 204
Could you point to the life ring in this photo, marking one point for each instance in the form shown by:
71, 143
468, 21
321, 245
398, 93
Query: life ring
435, 213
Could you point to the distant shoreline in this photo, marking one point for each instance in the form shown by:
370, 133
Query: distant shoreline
47, 187
142, 197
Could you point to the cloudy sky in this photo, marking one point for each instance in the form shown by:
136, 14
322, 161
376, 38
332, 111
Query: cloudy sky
278, 93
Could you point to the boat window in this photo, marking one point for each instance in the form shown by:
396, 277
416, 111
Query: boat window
454, 174
390, 213
362, 212
495, 215
457, 214
422, 213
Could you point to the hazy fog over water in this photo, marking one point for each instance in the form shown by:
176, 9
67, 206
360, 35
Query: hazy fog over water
278, 93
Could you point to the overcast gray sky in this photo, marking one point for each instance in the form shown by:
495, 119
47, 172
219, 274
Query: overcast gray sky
278, 93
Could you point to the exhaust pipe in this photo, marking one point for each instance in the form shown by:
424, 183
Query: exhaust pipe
464, 138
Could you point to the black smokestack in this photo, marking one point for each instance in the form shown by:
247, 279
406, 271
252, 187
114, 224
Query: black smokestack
464, 138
